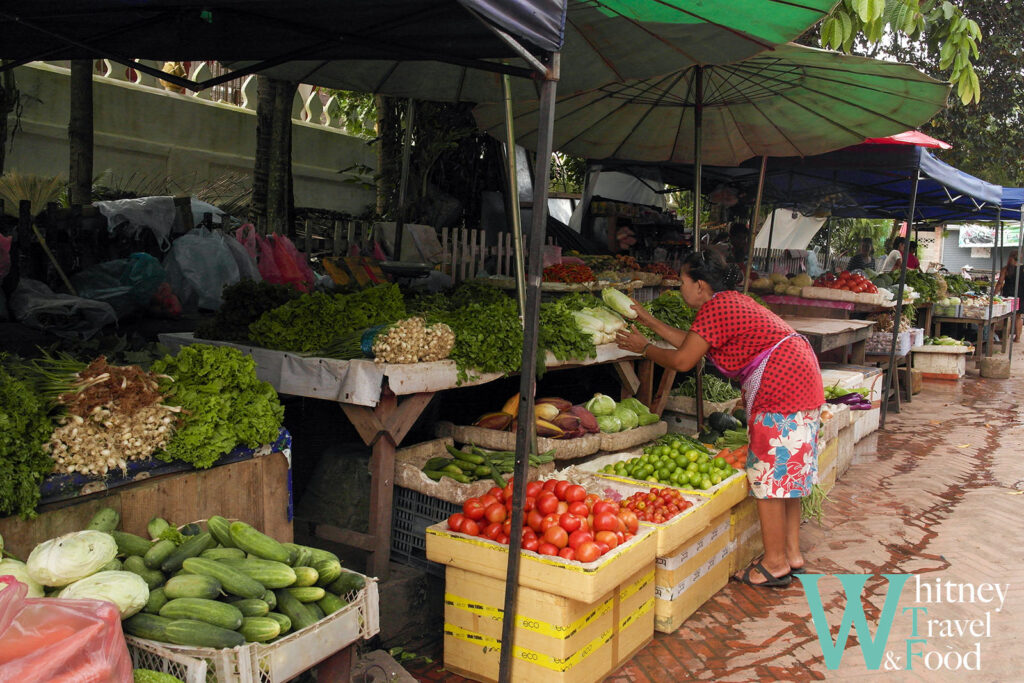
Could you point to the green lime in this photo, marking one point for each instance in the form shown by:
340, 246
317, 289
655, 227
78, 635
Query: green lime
720, 463
692, 455
703, 468
664, 474
705, 484
716, 479
653, 480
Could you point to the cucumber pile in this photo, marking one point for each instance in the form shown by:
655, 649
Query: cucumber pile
228, 584
474, 464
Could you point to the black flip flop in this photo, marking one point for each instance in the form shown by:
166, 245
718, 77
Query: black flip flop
770, 581
798, 570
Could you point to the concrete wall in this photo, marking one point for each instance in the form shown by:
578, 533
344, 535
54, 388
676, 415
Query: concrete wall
954, 257
157, 134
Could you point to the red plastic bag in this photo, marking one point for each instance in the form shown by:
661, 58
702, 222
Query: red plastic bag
246, 236
281, 263
60, 641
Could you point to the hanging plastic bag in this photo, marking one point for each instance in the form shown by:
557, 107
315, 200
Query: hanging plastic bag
33, 304
247, 268
49, 639
281, 263
198, 268
246, 236
126, 284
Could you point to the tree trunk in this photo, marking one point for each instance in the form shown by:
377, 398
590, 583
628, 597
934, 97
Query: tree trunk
280, 206
80, 128
8, 103
261, 166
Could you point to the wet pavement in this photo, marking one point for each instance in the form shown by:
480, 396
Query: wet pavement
937, 500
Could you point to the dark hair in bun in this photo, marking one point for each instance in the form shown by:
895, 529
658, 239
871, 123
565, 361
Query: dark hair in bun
710, 267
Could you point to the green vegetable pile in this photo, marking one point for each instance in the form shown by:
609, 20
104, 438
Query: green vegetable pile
224, 403
957, 285
559, 333
488, 337
812, 506
476, 292
243, 305
925, 284
312, 321
24, 428
670, 309
715, 389
836, 391
150, 676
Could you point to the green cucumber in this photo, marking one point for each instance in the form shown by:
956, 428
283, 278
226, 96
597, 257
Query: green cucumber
328, 571
231, 580
270, 599
221, 530
223, 554
305, 576
192, 586
288, 605
159, 552
191, 529
105, 519
252, 607
136, 565
303, 556
307, 593
190, 548
157, 599
114, 565
202, 634
331, 603
213, 612
149, 626
259, 629
347, 582
157, 526
317, 612
268, 572
284, 622
130, 544
252, 541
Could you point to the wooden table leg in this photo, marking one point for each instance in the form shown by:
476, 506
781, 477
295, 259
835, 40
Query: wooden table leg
1006, 332
628, 378
646, 375
383, 428
857, 351
668, 378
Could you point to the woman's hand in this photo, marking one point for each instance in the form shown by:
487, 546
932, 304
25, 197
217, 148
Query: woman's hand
631, 340
642, 314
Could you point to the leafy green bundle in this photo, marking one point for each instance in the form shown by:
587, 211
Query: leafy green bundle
925, 284
715, 389
24, 428
243, 304
488, 337
224, 403
312, 321
559, 333
670, 309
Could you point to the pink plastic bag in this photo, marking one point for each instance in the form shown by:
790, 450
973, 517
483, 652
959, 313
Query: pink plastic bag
281, 263
246, 236
65, 641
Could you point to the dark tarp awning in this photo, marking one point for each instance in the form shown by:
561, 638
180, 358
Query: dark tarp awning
226, 30
863, 181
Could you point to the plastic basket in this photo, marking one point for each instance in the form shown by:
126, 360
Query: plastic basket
266, 663
412, 512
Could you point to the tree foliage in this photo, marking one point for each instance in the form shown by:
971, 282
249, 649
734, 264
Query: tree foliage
940, 26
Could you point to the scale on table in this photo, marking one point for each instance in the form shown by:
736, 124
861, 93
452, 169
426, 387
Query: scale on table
403, 269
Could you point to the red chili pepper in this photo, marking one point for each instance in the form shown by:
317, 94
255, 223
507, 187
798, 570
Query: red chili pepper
568, 272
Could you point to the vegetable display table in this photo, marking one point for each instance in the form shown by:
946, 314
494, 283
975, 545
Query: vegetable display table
1004, 320
383, 402
826, 334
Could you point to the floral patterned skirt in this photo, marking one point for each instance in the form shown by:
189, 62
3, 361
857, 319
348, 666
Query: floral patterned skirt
782, 459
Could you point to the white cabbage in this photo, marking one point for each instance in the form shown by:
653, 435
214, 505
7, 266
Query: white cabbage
612, 322
125, 589
18, 570
618, 302
601, 405
70, 557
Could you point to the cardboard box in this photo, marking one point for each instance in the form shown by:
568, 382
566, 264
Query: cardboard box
866, 423
941, 362
633, 615
845, 452
694, 591
745, 532
575, 580
673, 569
827, 457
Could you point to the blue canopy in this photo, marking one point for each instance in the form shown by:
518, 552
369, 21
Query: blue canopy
863, 181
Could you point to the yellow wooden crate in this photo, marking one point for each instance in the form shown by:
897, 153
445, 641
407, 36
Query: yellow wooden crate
745, 527
634, 615
828, 479
675, 567
557, 638
670, 612
584, 582
828, 455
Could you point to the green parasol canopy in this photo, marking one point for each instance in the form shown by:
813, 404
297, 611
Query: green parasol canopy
791, 101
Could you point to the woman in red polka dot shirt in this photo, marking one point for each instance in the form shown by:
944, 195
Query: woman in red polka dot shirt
782, 390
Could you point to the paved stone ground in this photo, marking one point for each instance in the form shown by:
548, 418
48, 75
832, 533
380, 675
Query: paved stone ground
938, 495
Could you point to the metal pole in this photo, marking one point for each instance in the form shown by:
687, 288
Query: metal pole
898, 312
768, 252
513, 195
528, 372
1016, 285
987, 338
828, 242
754, 222
403, 183
698, 143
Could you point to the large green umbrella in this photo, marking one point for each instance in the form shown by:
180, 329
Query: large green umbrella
605, 41
791, 101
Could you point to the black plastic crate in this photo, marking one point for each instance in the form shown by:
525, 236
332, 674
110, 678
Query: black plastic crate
411, 513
